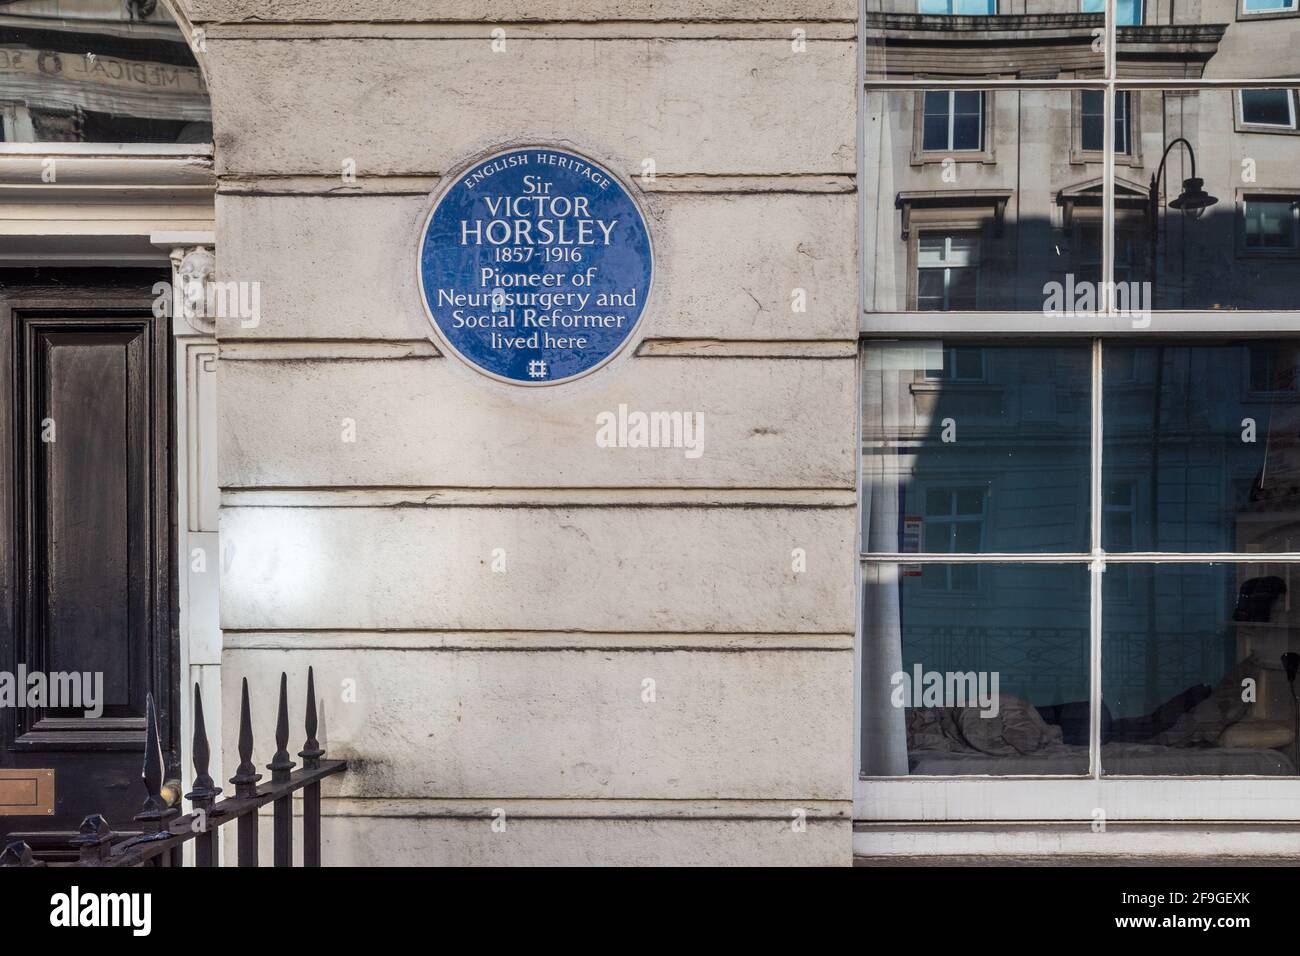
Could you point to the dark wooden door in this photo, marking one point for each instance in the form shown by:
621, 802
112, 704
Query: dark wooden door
88, 532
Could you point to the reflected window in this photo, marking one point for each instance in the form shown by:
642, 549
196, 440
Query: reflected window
1128, 13
947, 272
958, 365
953, 524
961, 8
98, 71
1267, 6
1092, 110
953, 121
1273, 109
1271, 224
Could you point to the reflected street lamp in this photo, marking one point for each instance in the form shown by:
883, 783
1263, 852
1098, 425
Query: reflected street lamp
1191, 202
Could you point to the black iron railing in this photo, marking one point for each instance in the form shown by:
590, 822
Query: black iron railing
164, 830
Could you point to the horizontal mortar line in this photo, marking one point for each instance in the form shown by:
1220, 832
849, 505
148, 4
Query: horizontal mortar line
811, 349
820, 810
701, 648
621, 632
420, 183
547, 649
813, 819
638, 497
504, 506
315, 350
529, 21
740, 31
654, 347
702, 489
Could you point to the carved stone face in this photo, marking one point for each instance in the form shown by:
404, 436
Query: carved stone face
196, 270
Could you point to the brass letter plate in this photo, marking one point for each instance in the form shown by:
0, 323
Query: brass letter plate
26, 793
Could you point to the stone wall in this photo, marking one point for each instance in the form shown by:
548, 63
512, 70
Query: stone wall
664, 671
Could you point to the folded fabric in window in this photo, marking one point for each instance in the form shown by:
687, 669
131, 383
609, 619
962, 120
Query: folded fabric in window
1206, 722
1015, 728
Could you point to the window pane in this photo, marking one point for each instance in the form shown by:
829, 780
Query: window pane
966, 537
1004, 186
937, 120
1092, 106
963, 290
1128, 13
1192, 673
968, 364
975, 669
1228, 242
1208, 436
1267, 108
1122, 144
966, 131
88, 71
935, 6
1004, 456
1270, 224
929, 291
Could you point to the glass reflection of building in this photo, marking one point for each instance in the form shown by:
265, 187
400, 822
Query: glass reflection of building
983, 197
983, 203
976, 449
99, 71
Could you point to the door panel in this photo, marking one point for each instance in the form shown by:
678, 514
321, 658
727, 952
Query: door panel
91, 503
87, 550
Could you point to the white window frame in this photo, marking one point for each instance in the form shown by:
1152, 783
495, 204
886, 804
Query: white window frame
1072, 801
1123, 96
952, 124
972, 264
1248, 125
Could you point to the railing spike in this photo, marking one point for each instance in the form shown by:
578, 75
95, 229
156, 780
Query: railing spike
311, 750
205, 788
246, 775
280, 765
155, 810
94, 839
205, 791
281, 768
18, 853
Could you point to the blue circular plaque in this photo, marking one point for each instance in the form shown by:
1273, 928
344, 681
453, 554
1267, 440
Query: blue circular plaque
535, 266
